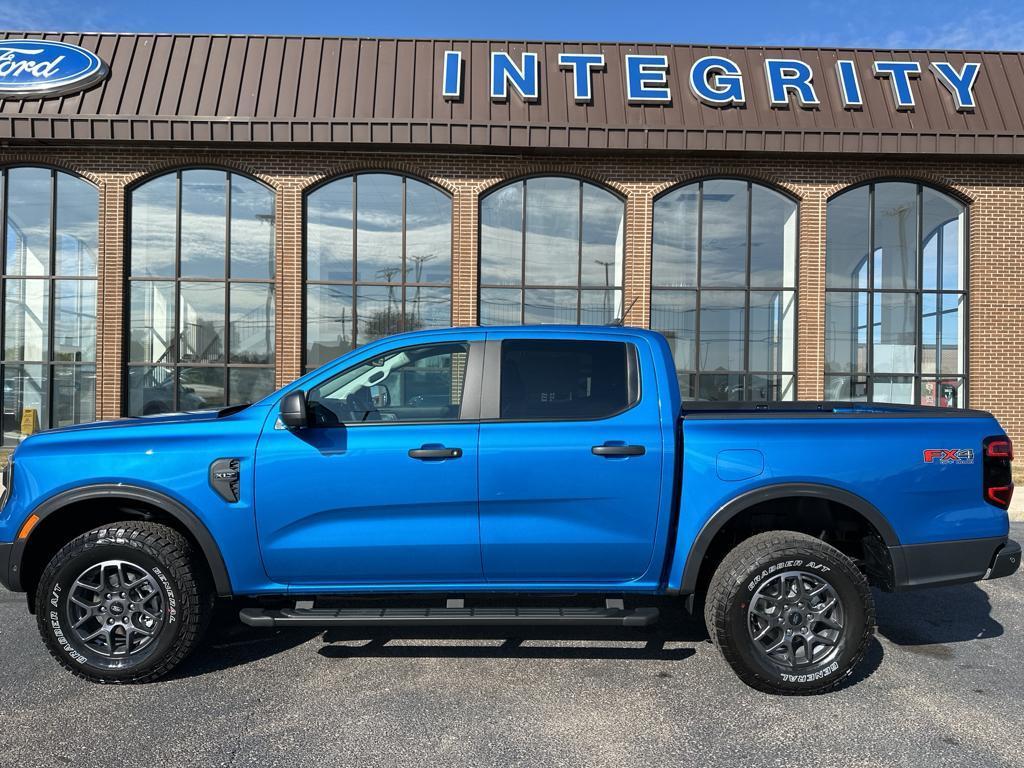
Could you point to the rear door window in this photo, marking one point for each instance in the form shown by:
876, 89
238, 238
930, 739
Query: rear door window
561, 379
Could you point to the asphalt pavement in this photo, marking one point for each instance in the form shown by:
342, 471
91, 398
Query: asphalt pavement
944, 686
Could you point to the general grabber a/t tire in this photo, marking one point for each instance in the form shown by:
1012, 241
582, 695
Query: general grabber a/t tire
789, 613
123, 603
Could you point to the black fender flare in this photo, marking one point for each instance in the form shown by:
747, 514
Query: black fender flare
745, 501
177, 510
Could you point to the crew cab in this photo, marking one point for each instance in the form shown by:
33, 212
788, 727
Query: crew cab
522, 475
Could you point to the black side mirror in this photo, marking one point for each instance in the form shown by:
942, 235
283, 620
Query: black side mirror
294, 413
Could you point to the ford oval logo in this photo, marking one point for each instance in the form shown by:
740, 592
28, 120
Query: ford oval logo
46, 68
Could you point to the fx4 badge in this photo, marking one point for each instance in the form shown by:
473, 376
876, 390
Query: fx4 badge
948, 456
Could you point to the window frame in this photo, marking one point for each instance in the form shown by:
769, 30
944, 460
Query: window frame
523, 286
917, 377
50, 278
176, 279
355, 282
698, 288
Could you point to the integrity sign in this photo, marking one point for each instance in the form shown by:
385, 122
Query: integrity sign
715, 80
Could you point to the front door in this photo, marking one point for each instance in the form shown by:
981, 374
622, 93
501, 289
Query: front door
382, 487
570, 462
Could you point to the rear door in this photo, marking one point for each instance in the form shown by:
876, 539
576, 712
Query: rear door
570, 461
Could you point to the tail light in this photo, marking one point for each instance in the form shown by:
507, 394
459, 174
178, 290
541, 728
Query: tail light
998, 472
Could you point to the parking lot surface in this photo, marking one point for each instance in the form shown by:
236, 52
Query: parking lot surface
943, 687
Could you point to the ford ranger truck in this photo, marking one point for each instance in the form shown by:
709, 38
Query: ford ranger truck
503, 476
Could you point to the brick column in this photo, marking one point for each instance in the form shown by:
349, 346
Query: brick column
110, 311
810, 353
465, 256
639, 213
288, 281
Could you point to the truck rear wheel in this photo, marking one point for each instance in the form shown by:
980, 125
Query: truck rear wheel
123, 603
789, 613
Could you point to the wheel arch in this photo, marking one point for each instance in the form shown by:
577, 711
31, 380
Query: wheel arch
177, 513
732, 511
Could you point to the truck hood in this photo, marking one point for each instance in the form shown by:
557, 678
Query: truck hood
139, 421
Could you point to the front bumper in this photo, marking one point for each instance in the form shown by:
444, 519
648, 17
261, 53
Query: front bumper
944, 563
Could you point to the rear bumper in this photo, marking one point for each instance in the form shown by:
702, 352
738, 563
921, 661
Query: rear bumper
953, 562
5, 565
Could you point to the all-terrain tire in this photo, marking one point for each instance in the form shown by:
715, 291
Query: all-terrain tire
759, 564
178, 602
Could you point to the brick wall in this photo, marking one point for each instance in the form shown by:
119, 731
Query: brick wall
993, 189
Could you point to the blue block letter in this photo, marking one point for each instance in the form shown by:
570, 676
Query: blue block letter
717, 81
785, 75
647, 79
452, 75
849, 83
899, 73
581, 64
959, 84
524, 78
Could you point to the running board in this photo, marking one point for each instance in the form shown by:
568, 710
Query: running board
493, 617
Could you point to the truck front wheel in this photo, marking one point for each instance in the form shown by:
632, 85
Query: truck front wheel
789, 613
123, 603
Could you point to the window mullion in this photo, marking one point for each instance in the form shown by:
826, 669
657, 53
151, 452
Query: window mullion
49, 370
175, 370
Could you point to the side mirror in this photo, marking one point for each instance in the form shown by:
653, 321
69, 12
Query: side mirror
294, 413
380, 395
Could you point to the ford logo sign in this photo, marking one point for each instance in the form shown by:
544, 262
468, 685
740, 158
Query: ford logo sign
41, 68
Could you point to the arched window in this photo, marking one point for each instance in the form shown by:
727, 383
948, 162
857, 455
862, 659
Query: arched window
378, 261
896, 300
50, 230
723, 285
201, 319
551, 251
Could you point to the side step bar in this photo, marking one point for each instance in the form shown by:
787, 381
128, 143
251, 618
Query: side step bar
494, 617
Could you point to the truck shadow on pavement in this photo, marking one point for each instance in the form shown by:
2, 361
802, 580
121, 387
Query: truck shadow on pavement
935, 617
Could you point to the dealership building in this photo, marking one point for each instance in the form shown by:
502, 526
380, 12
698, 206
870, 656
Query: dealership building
192, 220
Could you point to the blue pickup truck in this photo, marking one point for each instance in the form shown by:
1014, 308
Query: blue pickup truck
503, 476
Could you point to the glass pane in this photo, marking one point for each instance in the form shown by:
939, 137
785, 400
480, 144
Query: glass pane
721, 387
252, 229
150, 390
772, 239
74, 333
951, 359
896, 236
563, 379
772, 321
722, 336
427, 308
25, 410
941, 217
893, 389
428, 237
379, 223
329, 232
603, 224
154, 224
203, 231
687, 385
252, 323
74, 394
846, 332
247, 385
328, 323
929, 332
894, 341
599, 307
27, 320
849, 230
379, 311
29, 193
501, 306
77, 225
950, 392
201, 323
771, 388
550, 306
674, 313
552, 231
723, 259
846, 388
501, 236
200, 389
152, 322
675, 238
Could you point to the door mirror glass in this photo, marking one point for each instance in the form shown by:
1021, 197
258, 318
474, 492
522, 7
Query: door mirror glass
380, 395
294, 413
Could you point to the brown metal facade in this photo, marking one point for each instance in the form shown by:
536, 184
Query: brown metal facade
361, 91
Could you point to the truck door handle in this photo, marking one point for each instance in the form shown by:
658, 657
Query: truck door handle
435, 452
618, 450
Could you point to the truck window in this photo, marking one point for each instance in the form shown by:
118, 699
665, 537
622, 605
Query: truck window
421, 383
566, 380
